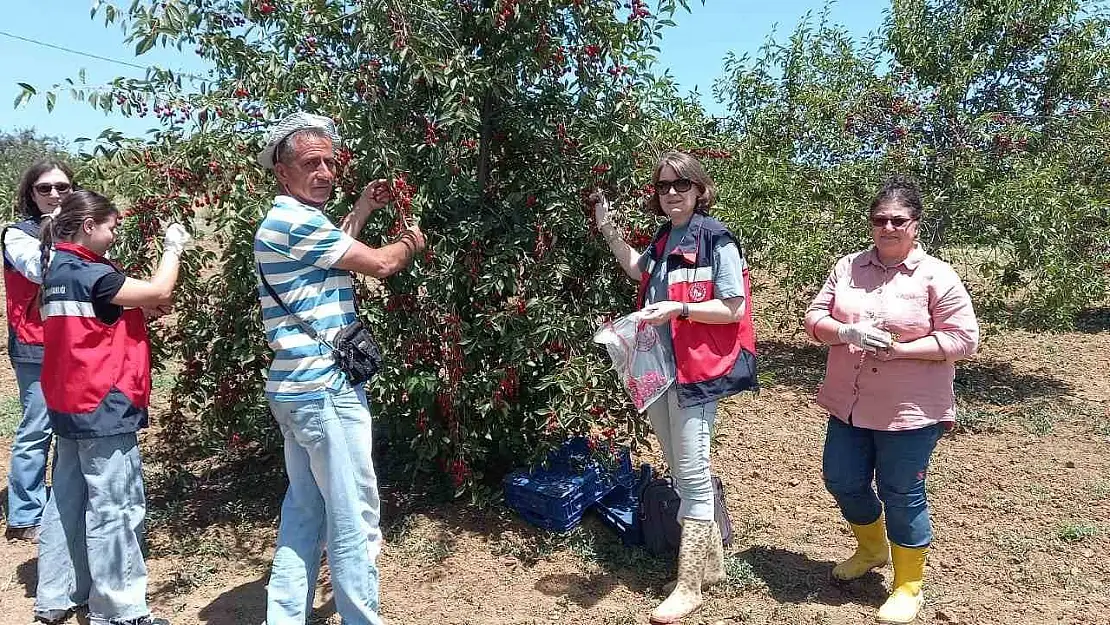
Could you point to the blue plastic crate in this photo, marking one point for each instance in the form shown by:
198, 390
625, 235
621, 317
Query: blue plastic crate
574, 455
556, 497
618, 512
550, 494
560, 526
618, 509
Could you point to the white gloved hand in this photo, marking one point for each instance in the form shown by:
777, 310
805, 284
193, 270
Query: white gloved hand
601, 207
176, 239
865, 336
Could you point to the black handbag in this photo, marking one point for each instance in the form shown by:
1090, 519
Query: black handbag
658, 512
355, 352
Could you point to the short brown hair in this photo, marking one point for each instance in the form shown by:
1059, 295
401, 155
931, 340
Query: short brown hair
902, 190
687, 167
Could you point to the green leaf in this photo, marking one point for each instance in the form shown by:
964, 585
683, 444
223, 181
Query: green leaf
23, 96
144, 45
50, 98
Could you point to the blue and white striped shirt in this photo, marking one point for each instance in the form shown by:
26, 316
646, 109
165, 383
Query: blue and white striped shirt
296, 247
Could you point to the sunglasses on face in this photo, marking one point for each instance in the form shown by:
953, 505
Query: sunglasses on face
44, 188
897, 222
682, 185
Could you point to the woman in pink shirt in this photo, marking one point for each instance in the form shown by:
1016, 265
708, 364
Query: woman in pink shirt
896, 319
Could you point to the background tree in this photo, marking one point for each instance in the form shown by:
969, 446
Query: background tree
1001, 111
494, 119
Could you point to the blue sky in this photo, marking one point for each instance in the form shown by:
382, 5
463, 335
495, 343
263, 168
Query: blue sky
693, 52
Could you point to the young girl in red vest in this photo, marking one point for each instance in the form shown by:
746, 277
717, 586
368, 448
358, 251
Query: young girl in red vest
694, 287
96, 382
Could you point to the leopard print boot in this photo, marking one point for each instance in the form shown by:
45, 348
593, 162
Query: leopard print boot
714, 562
714, 558
686, 597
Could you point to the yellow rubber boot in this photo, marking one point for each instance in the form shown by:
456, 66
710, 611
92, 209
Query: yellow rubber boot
872, 551
904, 604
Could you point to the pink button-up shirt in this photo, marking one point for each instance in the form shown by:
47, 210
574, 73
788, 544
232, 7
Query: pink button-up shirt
922, 296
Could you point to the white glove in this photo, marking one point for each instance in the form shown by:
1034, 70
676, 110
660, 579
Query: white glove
176, 239
865, 336
601, 207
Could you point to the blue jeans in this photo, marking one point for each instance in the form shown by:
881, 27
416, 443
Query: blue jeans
332, 499
684, 434
90, 545
897, 462
27, 476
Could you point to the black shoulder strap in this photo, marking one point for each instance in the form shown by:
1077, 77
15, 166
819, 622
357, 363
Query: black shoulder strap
308, 329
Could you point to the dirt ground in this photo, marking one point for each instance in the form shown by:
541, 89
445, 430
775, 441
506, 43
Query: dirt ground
1020, 497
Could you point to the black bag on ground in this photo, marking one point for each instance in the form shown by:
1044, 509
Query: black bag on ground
658, 513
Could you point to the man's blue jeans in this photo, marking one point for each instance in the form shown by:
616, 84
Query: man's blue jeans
332, 499
897, 463
684, 434
90, 545
27, 476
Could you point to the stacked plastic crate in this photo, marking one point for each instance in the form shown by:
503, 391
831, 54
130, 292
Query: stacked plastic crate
619, 509
556, 496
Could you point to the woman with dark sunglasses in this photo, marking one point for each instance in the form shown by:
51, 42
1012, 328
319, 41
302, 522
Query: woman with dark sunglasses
896, 320
41, 189
694, 288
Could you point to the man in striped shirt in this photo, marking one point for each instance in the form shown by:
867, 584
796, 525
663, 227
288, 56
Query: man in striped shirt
307, 260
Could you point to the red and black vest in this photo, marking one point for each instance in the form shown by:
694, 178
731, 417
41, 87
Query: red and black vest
95, 376
712, 360
24, 318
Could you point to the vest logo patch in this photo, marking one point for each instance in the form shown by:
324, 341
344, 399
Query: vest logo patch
697, 293
56, 290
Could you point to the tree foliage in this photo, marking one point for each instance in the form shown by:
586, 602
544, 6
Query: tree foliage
1001, 110
494, 119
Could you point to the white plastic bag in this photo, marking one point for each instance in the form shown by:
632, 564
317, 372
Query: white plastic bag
646, 370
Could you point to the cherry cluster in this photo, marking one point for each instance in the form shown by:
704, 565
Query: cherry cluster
507, 389
400, 30
505, 13
639, 10
644, 387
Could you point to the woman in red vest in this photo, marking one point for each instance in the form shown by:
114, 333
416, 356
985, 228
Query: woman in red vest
96, 382
41, 189
694, 287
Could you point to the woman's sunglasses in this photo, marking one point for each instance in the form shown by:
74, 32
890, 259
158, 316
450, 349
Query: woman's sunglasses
45, 187
897, 222
682, 185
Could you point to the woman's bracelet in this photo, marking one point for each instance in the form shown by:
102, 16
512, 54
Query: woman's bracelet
612, 235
